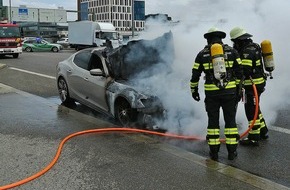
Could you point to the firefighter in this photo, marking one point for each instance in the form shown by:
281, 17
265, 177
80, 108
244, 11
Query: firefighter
251, 56
222, 68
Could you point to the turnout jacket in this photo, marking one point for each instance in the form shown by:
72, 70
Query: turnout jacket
212, 86
251, 56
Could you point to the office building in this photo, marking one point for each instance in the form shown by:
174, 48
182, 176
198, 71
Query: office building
121, 13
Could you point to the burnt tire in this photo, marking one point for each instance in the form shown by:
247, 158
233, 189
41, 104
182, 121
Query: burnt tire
125, 114
64, 93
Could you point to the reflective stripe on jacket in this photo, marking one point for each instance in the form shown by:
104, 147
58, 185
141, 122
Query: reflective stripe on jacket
203, 63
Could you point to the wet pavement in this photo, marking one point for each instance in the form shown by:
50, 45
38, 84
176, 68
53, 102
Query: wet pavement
32, 127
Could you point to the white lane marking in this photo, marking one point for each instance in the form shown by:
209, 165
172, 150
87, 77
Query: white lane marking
280, 129
33, 73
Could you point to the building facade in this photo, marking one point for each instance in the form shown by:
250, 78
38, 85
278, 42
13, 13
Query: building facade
47, 23
121, 13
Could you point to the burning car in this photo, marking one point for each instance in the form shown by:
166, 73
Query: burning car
104, 79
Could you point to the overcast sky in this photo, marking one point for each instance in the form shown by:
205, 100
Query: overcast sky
151, 6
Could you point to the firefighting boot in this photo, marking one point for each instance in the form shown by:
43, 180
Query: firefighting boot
249, 142
264, 133
213, 153
232, 155
264, 136
232, 151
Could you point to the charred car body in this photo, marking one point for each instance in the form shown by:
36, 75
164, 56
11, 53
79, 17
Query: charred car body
105, 80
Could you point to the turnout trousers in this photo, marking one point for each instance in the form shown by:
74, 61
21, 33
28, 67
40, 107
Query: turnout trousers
259, 128
228, 103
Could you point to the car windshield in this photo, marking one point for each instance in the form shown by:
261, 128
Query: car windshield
44, 42
109, 35
9, 31
63, 39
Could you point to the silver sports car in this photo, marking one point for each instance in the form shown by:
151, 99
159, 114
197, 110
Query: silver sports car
103, 79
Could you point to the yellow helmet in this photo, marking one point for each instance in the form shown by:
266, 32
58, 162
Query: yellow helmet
239, 33
214, 32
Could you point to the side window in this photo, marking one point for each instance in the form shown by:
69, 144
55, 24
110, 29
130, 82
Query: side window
96, 62
82, 59
97, 35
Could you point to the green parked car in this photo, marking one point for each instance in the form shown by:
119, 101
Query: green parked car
40, 45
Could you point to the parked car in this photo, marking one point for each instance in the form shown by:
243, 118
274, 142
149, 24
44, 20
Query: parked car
104, 79
37, 44
63, 42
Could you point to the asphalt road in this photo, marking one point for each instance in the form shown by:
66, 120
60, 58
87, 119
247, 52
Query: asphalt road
34, 73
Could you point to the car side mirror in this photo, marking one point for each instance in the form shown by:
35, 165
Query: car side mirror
97, 72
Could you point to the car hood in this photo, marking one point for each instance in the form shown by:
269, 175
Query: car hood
138, 57
134, 86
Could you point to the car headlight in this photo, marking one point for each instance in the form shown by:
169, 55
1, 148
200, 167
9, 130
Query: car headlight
151, 103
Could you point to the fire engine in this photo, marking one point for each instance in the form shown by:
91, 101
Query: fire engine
10, 39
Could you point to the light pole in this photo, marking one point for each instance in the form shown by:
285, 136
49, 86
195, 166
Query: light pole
10, 16
133, 19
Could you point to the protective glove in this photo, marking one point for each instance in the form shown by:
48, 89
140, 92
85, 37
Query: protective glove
240, 94
195, 94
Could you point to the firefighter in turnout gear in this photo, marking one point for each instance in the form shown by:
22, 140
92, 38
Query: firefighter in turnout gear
251, 56
222, 68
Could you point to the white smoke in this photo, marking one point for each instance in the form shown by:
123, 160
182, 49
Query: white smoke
264, 19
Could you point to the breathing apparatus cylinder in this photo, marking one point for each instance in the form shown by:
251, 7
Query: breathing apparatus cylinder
218, 61
268, 58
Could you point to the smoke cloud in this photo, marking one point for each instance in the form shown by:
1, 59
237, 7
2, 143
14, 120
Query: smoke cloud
264, 19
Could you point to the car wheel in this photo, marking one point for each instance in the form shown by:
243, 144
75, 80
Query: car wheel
125, 114
63, 92
28, 49
54, 49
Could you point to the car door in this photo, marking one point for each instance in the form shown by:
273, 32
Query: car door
29, 43
77, 75
43, 46
96, 85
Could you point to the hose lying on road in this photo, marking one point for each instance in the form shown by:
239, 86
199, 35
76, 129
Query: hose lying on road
110, 130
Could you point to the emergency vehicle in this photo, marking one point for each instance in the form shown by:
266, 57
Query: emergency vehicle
10, 39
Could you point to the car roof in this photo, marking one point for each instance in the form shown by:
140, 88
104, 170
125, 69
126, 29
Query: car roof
92, 49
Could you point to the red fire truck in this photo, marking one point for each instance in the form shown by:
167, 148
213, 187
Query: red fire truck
10, 40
